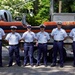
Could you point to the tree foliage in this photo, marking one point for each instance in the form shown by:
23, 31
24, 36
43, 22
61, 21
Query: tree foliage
42, 12
68, 6
39, 9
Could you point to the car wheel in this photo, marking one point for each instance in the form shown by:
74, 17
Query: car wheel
35, 55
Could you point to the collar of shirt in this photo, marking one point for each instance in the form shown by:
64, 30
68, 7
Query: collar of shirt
59, 29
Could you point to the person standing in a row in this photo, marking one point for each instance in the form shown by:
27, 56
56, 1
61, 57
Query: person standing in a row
59, 35
2, 36
28, 38
13, 39
72, 36
42, 38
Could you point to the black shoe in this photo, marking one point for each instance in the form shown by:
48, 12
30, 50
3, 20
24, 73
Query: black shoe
24, 65
19, 64
31, 65
37, 65
9, 65
45, 65
53, 65
1, 65
73, 65
61, 66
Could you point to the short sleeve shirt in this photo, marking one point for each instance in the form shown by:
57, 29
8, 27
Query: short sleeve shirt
58, 34
13, 38
2, 33
72, 34
28, 36
43, 37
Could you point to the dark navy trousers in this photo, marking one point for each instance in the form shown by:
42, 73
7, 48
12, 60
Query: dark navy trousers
42, 48
58, 47
0, 53
28, 52
14, 49
73, 46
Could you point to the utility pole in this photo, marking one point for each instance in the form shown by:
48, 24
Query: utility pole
35, 5
51, 7
60, 6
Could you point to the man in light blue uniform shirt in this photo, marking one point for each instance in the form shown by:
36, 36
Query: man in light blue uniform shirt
13, 38
28, 38
72, 36
42, 38
2, 36
59, 35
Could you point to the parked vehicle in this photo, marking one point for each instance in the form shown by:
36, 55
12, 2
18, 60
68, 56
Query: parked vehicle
68, 22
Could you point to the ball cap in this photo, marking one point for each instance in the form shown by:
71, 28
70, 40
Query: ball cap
59, 23
42, 26
28, 26
13, 27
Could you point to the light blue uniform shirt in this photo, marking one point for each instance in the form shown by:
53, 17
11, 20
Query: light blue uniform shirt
43, 37
72, 34
13, 38
2, 33
28, 36
58, 34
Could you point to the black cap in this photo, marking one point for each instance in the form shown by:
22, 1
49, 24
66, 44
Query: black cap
13, 27
42, 26
28, 26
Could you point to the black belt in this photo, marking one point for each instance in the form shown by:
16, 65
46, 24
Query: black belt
14, 45
42, 43
58, 40
29, 42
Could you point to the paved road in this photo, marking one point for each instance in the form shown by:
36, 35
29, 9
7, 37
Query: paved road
41, 70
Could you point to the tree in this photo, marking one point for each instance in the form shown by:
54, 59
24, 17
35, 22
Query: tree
41, 12
40, 8
67, 6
